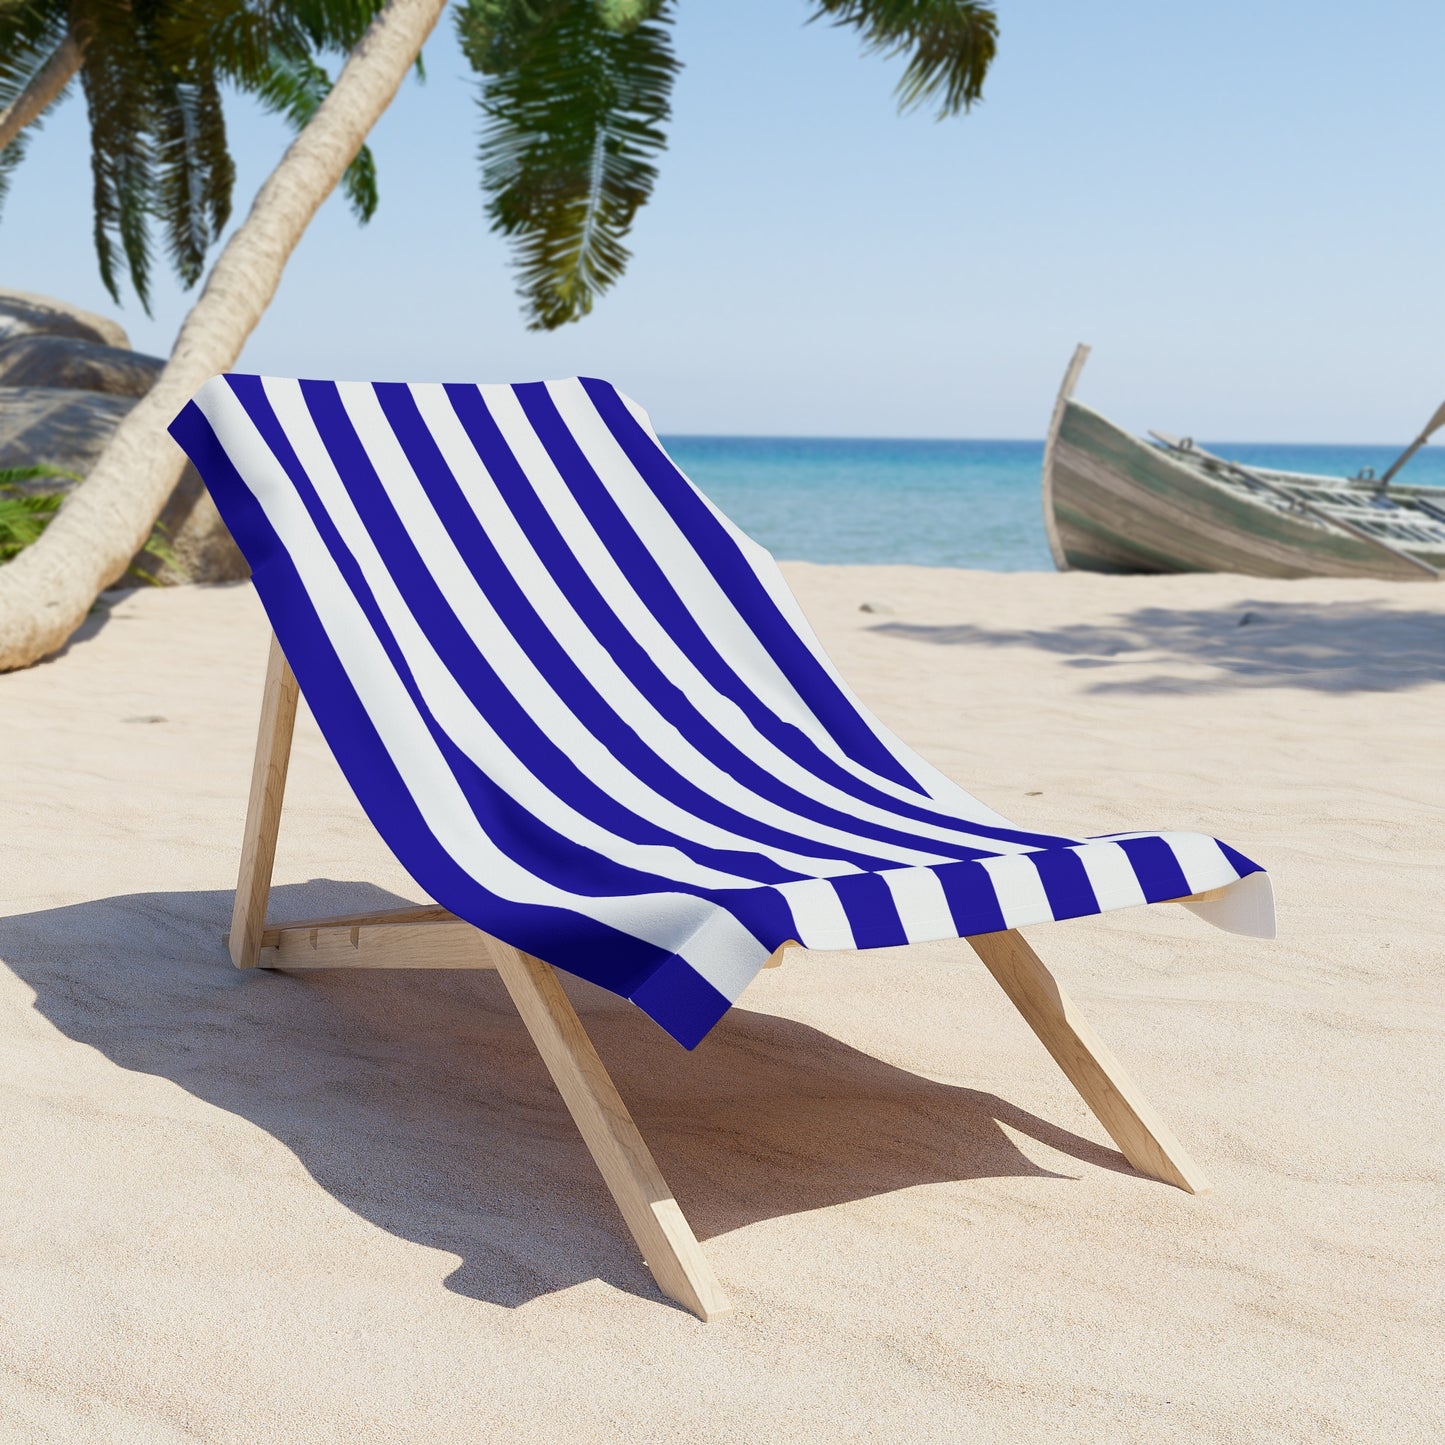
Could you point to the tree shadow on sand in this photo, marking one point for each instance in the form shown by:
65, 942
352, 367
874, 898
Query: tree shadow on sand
417, 1100
1321, 647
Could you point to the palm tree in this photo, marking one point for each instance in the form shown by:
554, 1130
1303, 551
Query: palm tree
575, 93
152, 75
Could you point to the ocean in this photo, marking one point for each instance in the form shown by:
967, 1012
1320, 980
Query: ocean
934, 503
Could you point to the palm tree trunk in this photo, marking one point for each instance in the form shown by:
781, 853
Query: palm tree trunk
47, 590
45, 85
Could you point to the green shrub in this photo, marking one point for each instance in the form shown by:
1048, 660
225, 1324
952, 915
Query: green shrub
25, 515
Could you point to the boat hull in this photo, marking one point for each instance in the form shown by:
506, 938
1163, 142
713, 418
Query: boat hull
1117, 504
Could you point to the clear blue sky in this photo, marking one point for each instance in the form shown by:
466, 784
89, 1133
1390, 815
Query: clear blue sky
1239, 204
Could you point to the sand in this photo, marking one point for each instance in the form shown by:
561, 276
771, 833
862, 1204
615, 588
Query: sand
259, 1208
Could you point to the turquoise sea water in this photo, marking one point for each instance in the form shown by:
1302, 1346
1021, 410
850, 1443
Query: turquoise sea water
933, 503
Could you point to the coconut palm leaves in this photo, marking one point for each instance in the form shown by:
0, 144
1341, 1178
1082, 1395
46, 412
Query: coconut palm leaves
575, 94
31, 38
949, 44
574, 98
24, 514
152, 72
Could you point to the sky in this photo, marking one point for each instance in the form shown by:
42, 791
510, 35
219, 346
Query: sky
1238, 205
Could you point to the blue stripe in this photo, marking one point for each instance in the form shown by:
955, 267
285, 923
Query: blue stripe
972, 899
1066, 882
870, 909
682, 1001
1241, 865
1156, 868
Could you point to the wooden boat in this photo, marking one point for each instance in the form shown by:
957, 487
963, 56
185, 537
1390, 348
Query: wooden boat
1116, 503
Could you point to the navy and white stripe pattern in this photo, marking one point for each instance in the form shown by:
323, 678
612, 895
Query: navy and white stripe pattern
585, 711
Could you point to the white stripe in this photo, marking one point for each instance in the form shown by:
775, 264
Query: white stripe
713, 951
1020, 890
1111, 875
921, 902
818, 913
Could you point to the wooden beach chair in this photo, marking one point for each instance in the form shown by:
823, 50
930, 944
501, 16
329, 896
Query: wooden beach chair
587, 715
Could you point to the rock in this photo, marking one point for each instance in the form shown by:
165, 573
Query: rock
55, 425
69, 429
25, 314
67, 361
882, 608
199, 541
67, 377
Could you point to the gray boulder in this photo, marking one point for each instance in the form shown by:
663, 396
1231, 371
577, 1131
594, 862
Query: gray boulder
201, 547
57, 426
66, 361
22, 313
69, 429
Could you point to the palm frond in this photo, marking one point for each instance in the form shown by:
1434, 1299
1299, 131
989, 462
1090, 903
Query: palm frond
950, 45
157, 546
624, 14
10, 158
25, 515
11, 477
336, 25
116, 75
29, 36
574, 99
194, 170
497, 35
235, 37
268, 49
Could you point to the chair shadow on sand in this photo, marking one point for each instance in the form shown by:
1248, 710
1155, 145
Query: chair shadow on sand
1321, 647
416, 1098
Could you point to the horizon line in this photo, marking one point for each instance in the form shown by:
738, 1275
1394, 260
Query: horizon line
997, 441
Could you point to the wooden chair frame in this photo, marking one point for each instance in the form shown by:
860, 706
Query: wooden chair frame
428, 936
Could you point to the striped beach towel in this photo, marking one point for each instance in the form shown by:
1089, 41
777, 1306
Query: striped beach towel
587, 715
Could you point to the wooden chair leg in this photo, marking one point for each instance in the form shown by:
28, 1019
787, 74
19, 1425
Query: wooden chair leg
1142, 1136
263, 811
662, 1233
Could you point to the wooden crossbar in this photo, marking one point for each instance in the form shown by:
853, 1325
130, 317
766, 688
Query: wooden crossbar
428, 936
425, 935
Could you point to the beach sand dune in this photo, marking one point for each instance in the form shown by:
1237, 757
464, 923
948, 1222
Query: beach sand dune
351, 1208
